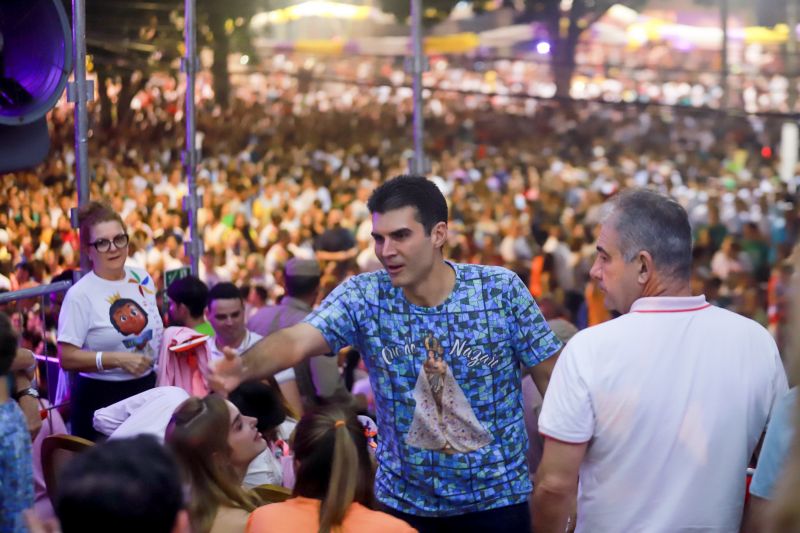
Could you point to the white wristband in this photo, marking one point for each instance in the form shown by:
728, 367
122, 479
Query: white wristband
98, 361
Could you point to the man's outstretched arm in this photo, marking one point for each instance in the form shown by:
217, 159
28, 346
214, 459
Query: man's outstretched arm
283, 349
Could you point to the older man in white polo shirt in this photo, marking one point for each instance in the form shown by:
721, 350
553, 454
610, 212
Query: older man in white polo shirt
658, 411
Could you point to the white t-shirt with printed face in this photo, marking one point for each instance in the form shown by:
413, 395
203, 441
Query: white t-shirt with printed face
672, 399
112, 316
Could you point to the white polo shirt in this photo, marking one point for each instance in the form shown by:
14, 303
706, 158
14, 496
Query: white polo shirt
672, 398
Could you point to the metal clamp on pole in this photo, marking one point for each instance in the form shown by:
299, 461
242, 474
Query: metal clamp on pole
188, 63
413, 64
72, 91
73, 217
192, 203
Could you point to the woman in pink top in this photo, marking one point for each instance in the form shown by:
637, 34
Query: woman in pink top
335, 475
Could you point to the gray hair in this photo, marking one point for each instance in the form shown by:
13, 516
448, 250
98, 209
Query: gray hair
648, 221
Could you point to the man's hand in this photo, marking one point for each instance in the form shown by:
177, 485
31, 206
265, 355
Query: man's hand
227, 373
30, 408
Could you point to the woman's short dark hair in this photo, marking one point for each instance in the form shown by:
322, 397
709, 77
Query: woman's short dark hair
411, 191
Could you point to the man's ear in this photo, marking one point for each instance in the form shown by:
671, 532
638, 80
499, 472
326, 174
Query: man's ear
182, 524
644, 262
439, 234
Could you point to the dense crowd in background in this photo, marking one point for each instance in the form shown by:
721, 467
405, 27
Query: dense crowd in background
286, 172
652, 73
287, 168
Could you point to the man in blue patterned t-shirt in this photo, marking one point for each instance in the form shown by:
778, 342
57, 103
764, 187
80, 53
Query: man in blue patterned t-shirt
443, 344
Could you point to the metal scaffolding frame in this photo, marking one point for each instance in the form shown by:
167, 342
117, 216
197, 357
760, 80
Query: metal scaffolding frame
81, 91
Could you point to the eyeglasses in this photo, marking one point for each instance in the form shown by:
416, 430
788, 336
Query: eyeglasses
104, 245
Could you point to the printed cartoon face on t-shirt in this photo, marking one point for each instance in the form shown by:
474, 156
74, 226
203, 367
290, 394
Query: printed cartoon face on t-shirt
127, 316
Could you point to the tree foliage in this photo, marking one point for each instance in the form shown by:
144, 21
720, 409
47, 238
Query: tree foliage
129, 39
566, 22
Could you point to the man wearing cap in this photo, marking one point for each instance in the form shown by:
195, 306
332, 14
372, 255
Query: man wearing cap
318, 378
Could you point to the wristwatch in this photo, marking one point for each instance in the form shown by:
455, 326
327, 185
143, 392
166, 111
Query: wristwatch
30, 391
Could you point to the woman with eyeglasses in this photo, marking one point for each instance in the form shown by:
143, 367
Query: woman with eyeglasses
214, 444
109, 328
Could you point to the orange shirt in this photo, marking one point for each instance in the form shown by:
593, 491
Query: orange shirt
595, 305
301, 515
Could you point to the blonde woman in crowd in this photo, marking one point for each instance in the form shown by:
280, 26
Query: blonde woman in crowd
214, 445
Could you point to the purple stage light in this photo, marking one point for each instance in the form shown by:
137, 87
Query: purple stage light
543, 48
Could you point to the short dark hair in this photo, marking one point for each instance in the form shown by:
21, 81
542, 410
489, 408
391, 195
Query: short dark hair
261, 291
133, 484
224, 291
191, 292
411, 191
648, 221
8, 344
299, 286
259, 400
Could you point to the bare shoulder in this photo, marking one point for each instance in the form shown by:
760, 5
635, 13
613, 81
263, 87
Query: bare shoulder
230, 520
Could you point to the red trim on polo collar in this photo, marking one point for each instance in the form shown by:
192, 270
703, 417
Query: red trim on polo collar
672, 310
670, 304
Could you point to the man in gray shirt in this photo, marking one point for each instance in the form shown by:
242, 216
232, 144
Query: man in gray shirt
318, 378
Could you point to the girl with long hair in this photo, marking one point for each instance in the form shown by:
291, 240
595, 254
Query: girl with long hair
334, 480
214, 445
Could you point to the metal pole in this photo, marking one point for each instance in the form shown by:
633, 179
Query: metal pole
418, 163
194, 246
32, 292
791, 53
723, 82
80, 92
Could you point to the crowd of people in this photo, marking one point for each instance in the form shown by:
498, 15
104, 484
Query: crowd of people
286, 172
653, 73
293, 182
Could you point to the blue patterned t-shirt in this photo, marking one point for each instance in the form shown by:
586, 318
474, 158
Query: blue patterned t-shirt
446, 381
16, 468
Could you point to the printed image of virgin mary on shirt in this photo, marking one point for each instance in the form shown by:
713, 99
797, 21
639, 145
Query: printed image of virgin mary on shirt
443, 418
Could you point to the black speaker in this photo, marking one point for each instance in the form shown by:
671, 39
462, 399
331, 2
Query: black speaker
35, 62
